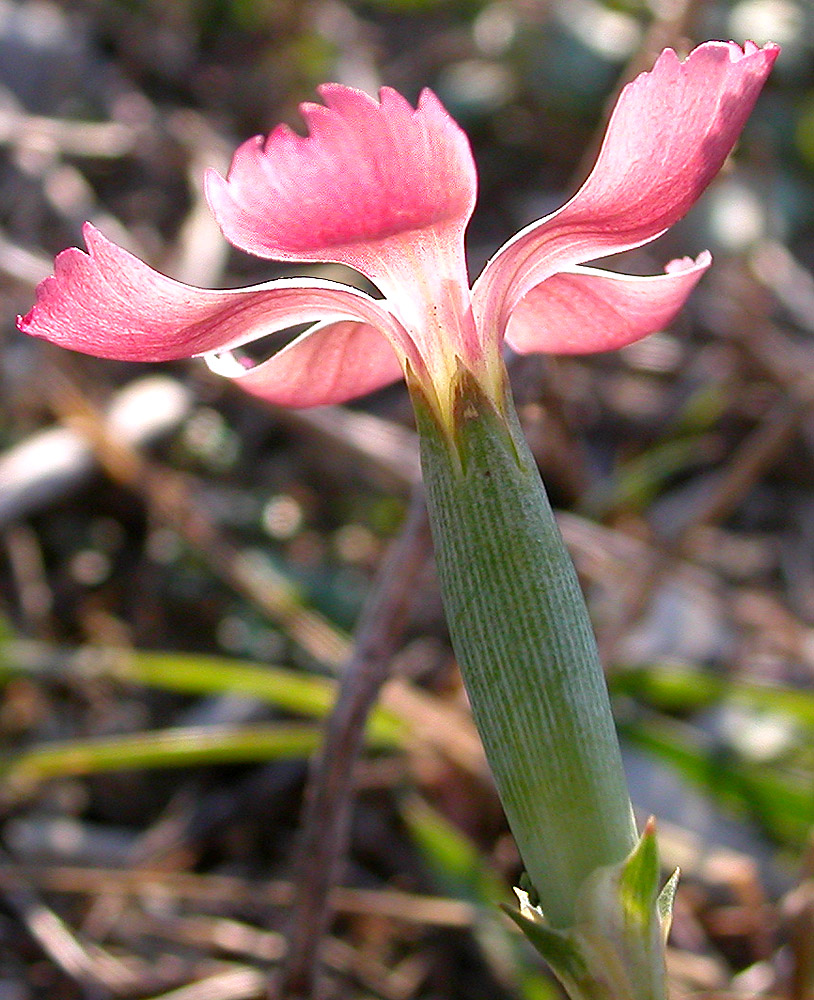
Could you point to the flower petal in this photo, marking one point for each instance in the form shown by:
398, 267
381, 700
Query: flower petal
669, 134
109, 303
330, 363
583, 310
380, 186
366, 173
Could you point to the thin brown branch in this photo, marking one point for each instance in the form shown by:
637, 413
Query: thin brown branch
230, 890
329, 797
97, 972
170, 498
668, 28
756, 453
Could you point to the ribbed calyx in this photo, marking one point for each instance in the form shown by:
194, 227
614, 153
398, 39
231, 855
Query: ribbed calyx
521, 633
522, 637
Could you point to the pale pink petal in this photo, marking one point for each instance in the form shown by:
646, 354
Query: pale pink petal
583, 310
109, 303
669, 134
378, 185
331, 363
367, 171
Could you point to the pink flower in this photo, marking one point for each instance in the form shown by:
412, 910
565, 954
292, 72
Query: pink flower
389, 190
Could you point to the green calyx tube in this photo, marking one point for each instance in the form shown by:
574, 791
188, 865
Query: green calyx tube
524, 642
521, 634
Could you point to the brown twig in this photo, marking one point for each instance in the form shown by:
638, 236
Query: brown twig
750, 329
171, 499
756, 453
208, 889
97, 972
327, 812
669, 25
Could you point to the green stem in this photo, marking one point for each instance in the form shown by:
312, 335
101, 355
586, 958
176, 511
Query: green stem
522, 636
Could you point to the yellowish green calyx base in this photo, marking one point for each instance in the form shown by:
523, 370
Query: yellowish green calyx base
442, 397
615, 948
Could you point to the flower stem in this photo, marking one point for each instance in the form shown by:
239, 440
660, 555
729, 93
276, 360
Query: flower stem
522, 636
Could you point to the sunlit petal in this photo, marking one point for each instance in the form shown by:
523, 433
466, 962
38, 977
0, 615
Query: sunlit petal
368, 173
331, 363
583, 310
670, 132
108, 303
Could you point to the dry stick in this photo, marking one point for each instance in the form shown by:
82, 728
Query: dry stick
161, 884
670, 23
170, 497
239, 941
222, 933
329, 796
52, 464
237, 983
756, 453
97, 972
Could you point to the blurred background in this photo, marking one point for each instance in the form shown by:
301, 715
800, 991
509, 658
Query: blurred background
181, 567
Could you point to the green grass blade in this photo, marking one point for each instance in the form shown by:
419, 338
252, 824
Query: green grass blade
175, 747
193, 673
